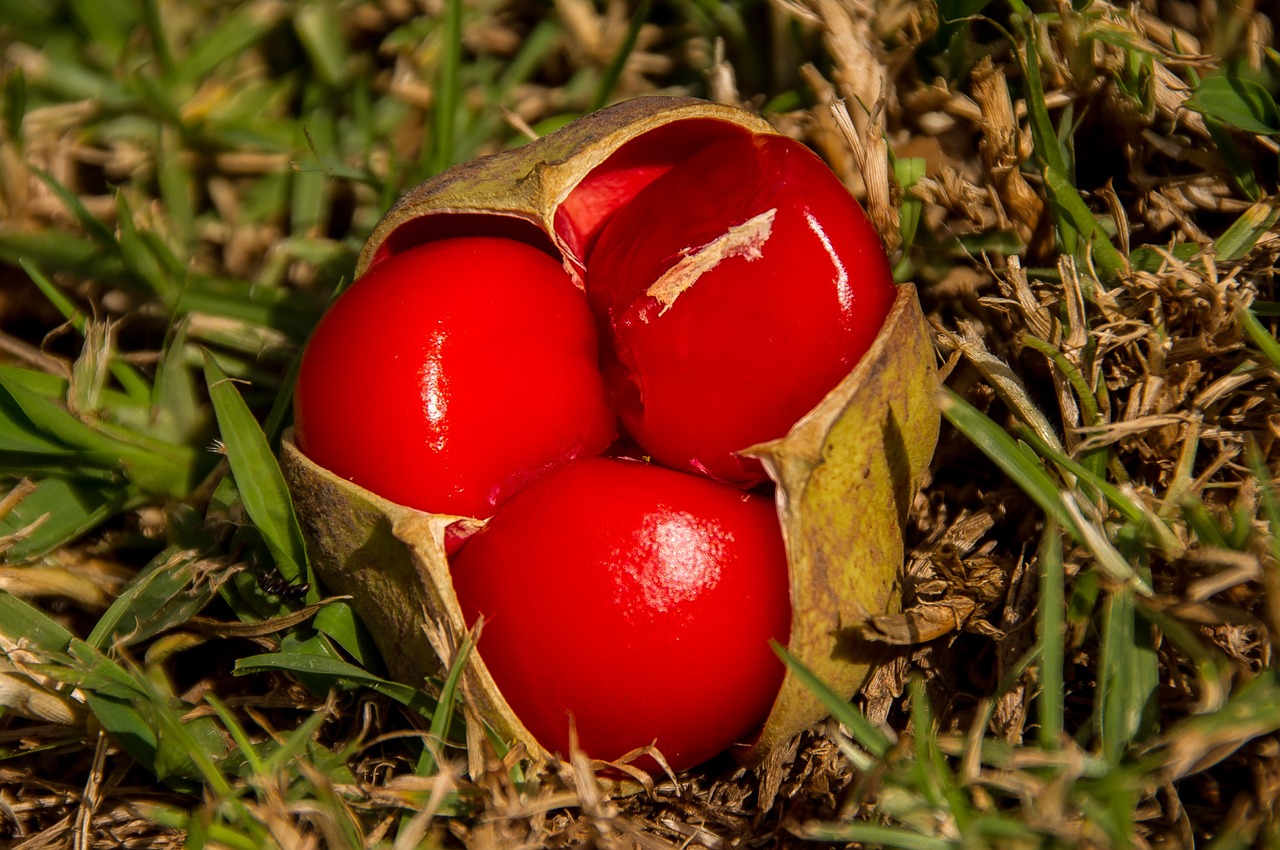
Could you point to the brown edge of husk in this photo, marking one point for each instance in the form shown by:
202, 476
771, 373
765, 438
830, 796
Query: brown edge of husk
391, 561
837, 470
531, 182
847, 474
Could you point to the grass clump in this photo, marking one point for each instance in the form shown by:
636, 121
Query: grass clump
1085, 195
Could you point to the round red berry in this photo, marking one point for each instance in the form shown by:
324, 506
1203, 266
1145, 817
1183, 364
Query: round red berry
634, 602
452, 374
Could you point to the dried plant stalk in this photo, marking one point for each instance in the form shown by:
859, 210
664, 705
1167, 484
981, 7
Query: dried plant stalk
1001, 149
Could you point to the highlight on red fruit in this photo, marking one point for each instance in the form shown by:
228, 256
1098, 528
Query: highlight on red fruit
452, 374
733, 292
634, 602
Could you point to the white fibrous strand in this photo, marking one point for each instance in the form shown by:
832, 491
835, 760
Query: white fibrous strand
741, 240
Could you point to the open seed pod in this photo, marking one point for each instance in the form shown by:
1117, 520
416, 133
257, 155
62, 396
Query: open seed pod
845, 473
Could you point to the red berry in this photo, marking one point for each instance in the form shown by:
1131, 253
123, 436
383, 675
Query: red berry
451, 374
733, 293
638, 601
613, 183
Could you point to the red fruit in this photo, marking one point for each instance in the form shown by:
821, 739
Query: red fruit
733, 292
610, 185
638, 600
452, 374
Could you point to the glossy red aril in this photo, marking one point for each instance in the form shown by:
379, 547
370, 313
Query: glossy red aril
613, 183
451, 374
733, 292
638, 601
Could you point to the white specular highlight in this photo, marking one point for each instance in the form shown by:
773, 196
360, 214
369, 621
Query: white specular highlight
435, 390
844, 291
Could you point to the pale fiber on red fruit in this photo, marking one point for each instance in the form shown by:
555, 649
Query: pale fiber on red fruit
744, 240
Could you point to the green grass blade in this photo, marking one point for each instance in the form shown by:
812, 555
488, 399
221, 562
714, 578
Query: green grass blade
296, 743
1074, 218
1262, 338
1206, 529
1254, 223
165, 594
338, 620
1011, 456
285, 310
177, 187
1237, 102
1148, 258
153, 465
341, 672
20, 620
1020, 463
1128, 675
60, 251
159, 38
307, 203
54, 295
866, 733
49, 418
1080, 218
907, 172
177, 413
14, 97
1268, 497
1129, 507
442, 718
317, 25
92, 224
281, 412
1213, 668
186, 748
131, 380
198, 827
448, 89
257, 474
1044, 137
1051, 630
537, 45
106, 24
243, 27
1204, 739
65, 510
609, 80
1095, 537
237, 732
125, 703
138, 257
933, 774
122, 720
1237, 161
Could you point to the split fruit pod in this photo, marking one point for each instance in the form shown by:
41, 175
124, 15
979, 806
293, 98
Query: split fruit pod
845, 471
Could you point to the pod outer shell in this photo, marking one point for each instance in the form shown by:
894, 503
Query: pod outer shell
846, 473
529, 183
